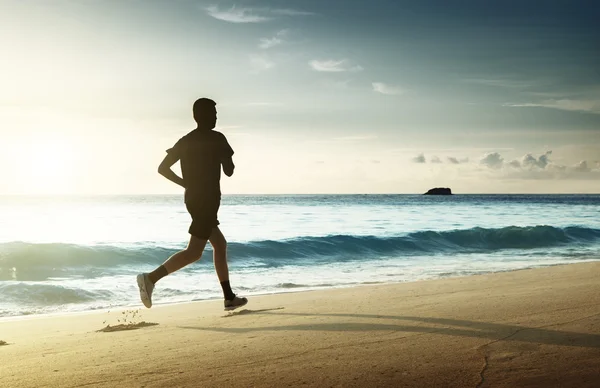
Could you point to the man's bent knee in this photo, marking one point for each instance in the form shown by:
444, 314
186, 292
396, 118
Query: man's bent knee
195, 248
193, 254
217, 240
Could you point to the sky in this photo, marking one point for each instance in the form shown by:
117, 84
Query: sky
314, 96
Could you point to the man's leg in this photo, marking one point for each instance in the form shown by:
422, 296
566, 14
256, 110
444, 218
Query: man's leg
219, 244
192, 253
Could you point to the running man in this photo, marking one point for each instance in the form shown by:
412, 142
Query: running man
201, 153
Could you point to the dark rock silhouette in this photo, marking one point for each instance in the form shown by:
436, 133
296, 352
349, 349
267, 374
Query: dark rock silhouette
439, 191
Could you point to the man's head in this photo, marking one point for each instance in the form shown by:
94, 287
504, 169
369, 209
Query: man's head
205, 113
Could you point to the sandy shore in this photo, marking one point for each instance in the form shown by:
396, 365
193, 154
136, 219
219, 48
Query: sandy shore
531, 328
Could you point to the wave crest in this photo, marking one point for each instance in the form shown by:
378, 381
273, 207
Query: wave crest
27, 261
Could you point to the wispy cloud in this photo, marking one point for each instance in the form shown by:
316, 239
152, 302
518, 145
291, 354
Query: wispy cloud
236, 15
383, 88
291, 12
267, 43
251, 15
333, 65
261, 63
502, 82
589, 106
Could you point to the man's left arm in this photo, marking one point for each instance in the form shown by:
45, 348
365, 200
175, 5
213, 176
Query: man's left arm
228, 166
227, 160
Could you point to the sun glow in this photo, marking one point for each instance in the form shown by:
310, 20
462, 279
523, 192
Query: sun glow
47, 166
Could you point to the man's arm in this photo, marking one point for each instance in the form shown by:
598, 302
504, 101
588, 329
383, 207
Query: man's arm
164, 169
228, 166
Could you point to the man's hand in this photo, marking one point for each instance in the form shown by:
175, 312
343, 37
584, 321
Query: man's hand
164, 169
228, 166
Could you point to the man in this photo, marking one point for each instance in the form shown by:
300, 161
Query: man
201, 153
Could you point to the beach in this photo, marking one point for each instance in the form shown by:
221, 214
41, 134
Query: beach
527, 328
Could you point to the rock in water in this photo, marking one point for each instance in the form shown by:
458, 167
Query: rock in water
439, 191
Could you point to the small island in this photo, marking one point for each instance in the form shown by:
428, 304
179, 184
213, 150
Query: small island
439, 191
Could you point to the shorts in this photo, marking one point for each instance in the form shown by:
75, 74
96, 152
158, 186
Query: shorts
204, 216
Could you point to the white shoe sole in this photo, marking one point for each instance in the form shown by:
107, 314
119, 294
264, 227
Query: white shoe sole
143, 293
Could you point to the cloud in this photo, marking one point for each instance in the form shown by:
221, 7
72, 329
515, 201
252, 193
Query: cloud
251, 15
333, 66
236, 15
503, 83
453, 160
492, 160
419, 159
382, 88
437, 160
530, 161
267, 43
261, 63
582, 167
515, 164
532, 167
291, 12
588, 106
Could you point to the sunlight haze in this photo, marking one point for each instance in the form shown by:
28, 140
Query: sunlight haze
313, 96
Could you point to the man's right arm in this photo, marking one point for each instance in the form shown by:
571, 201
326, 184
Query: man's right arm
164, 169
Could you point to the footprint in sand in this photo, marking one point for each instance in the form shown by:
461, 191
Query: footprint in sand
128, 326
129, 319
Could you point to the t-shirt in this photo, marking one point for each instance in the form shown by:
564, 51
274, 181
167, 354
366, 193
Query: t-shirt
200, 153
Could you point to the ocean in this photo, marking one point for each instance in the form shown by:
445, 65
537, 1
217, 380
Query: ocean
68, 254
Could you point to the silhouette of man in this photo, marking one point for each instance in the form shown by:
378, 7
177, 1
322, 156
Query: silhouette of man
201, 153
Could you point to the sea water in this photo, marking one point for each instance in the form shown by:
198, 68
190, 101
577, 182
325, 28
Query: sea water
66, 254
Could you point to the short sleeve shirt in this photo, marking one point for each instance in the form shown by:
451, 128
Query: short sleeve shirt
201, 153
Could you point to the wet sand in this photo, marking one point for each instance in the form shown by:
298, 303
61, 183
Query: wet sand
529, 328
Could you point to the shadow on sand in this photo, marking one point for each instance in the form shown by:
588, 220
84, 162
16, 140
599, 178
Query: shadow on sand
454, 327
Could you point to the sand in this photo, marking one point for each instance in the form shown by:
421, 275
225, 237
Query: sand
529, 328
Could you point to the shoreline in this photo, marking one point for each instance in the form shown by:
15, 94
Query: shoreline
139, 306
